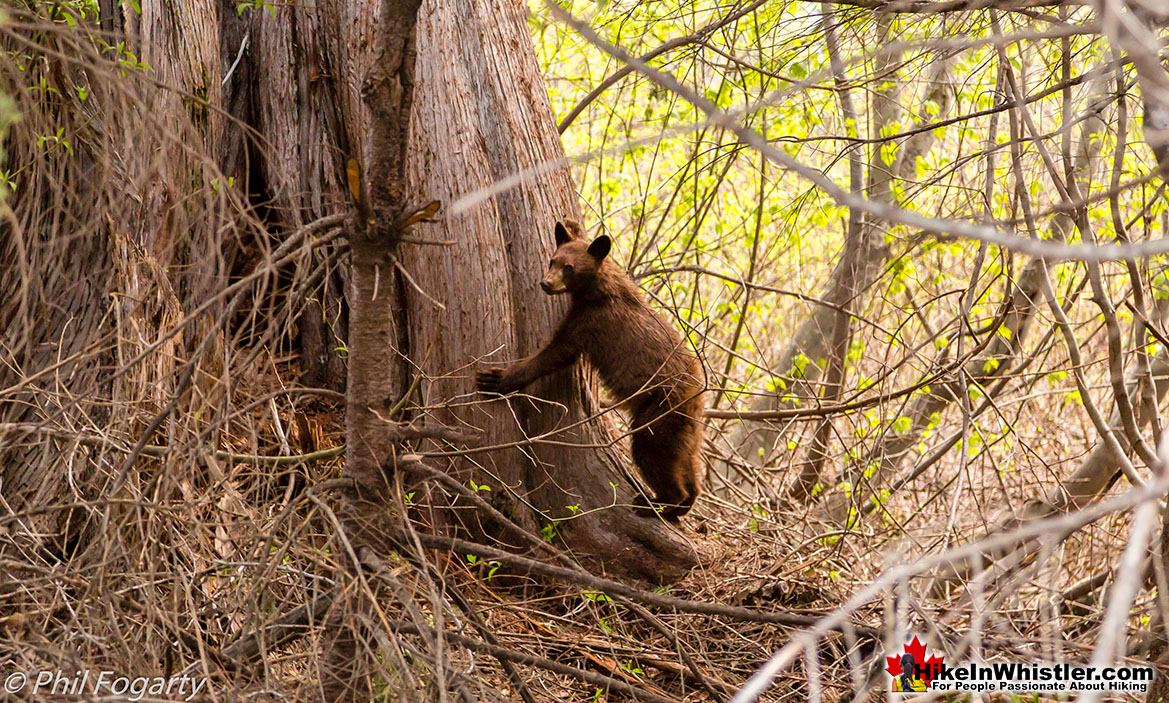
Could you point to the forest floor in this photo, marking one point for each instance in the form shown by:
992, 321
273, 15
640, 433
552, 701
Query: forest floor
748, 561
768, 562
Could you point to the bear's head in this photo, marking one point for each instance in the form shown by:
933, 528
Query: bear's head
576, 261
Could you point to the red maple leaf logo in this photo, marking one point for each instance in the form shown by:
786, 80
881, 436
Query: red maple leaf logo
925, 666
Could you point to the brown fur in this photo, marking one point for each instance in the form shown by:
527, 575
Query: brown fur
641, 359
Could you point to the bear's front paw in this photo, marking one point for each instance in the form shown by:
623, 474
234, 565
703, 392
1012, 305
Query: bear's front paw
490, 381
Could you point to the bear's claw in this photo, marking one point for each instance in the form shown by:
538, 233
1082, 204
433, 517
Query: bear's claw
489, 381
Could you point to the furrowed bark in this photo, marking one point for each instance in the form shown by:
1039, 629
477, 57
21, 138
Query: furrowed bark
301, 72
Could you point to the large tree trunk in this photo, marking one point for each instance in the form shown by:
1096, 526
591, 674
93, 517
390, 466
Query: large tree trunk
482, 114
306, 73
140, 251
143, 250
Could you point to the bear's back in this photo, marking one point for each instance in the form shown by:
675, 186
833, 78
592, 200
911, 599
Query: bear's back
635, 350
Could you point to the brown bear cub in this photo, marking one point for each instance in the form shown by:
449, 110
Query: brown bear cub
640, 357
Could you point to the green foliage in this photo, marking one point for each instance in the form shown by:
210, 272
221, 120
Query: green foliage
242, 6
683, 197
127, 59
596, 596
8, 115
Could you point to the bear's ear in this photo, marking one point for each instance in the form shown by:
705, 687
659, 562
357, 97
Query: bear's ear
600, 247
562, 235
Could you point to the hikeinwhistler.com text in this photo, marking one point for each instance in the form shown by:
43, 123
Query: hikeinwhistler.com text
1016, 676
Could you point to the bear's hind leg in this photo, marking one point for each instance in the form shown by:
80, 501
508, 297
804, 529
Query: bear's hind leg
660, 454
691, 485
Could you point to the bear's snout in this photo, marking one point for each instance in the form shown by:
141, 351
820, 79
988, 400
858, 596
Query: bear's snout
553, 285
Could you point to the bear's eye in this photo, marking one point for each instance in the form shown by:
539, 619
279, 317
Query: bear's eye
568, 268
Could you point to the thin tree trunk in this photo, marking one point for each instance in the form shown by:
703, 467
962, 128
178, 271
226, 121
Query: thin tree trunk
366, 512
851, 277
878, 466
808, 478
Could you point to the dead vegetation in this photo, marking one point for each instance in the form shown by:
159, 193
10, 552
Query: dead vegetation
170, 483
